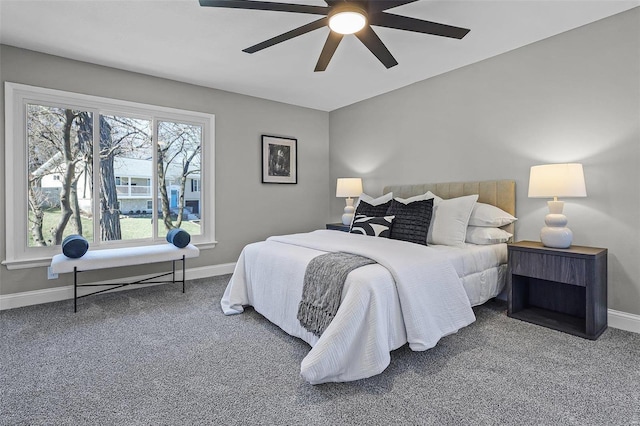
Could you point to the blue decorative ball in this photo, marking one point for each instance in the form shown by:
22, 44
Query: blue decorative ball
74, 246
179, 237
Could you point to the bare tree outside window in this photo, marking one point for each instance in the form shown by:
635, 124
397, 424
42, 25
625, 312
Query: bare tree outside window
57, 150
61, 189
178, 159
125, 152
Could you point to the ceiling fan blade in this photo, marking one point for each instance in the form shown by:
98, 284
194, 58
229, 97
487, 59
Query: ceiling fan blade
267, 5
288, 35
372, 6
370, 39
380, 5
390, 20
330, 46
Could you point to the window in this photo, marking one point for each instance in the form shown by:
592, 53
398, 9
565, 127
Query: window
195, 185
104, 169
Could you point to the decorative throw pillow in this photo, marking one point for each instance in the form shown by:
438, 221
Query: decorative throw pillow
178, 237
366, 209
373, 226
384, 200
451, 218
489, 216
484, 235
74, 246
412, 220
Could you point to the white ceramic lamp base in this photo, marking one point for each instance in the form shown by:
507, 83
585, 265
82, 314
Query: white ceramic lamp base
556, 234
347, 217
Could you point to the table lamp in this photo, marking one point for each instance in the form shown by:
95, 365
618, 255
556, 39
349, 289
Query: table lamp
348, 187
556, 180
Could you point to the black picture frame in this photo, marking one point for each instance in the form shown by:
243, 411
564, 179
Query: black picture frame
279, 159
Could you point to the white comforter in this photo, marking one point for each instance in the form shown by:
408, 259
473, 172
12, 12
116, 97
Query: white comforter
412, 295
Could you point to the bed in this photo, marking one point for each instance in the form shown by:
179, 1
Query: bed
413, 293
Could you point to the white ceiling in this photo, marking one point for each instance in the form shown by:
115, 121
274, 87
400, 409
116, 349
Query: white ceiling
180, 40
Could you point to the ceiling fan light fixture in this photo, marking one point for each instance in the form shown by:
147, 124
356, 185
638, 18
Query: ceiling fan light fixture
347, 21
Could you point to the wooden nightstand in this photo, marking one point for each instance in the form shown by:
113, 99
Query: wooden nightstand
563, 289
338, 227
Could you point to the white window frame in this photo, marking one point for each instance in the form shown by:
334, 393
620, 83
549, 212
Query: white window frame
17, 96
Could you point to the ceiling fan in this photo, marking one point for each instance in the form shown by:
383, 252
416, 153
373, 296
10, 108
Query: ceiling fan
345, 17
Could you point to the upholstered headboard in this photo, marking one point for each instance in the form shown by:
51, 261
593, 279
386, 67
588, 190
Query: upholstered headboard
500, 193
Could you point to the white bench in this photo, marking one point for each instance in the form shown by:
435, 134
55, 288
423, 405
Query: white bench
119, 257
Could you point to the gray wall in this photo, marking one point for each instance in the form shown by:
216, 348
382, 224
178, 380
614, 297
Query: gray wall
246, 209
574, 97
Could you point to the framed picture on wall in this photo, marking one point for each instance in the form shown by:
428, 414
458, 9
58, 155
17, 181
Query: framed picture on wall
279, 159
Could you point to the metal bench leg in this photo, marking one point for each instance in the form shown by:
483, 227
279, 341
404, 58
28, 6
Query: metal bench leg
114, 286
75, 289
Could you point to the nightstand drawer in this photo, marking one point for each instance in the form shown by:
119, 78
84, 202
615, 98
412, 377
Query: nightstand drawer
560, 269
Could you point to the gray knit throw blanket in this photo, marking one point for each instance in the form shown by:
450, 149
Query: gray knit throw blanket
322, 291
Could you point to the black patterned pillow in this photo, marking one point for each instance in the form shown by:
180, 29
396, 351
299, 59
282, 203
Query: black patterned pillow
411, 221
366, 209
374, 226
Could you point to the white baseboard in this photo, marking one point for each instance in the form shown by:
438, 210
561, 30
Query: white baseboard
36, 297
624, 321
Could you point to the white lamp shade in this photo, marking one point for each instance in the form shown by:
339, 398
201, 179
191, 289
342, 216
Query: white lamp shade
557, 180
349, 187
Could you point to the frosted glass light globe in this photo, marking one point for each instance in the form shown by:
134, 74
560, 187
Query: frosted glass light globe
348, 22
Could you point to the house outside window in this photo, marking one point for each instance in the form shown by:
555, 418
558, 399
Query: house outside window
102, 184
195, 185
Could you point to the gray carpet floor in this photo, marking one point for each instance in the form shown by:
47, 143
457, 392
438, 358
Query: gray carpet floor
155, 356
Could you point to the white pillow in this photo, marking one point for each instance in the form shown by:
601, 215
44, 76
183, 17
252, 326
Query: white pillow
436, 200
374, 201
422, 197
451, 220
490, 216
484, 235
